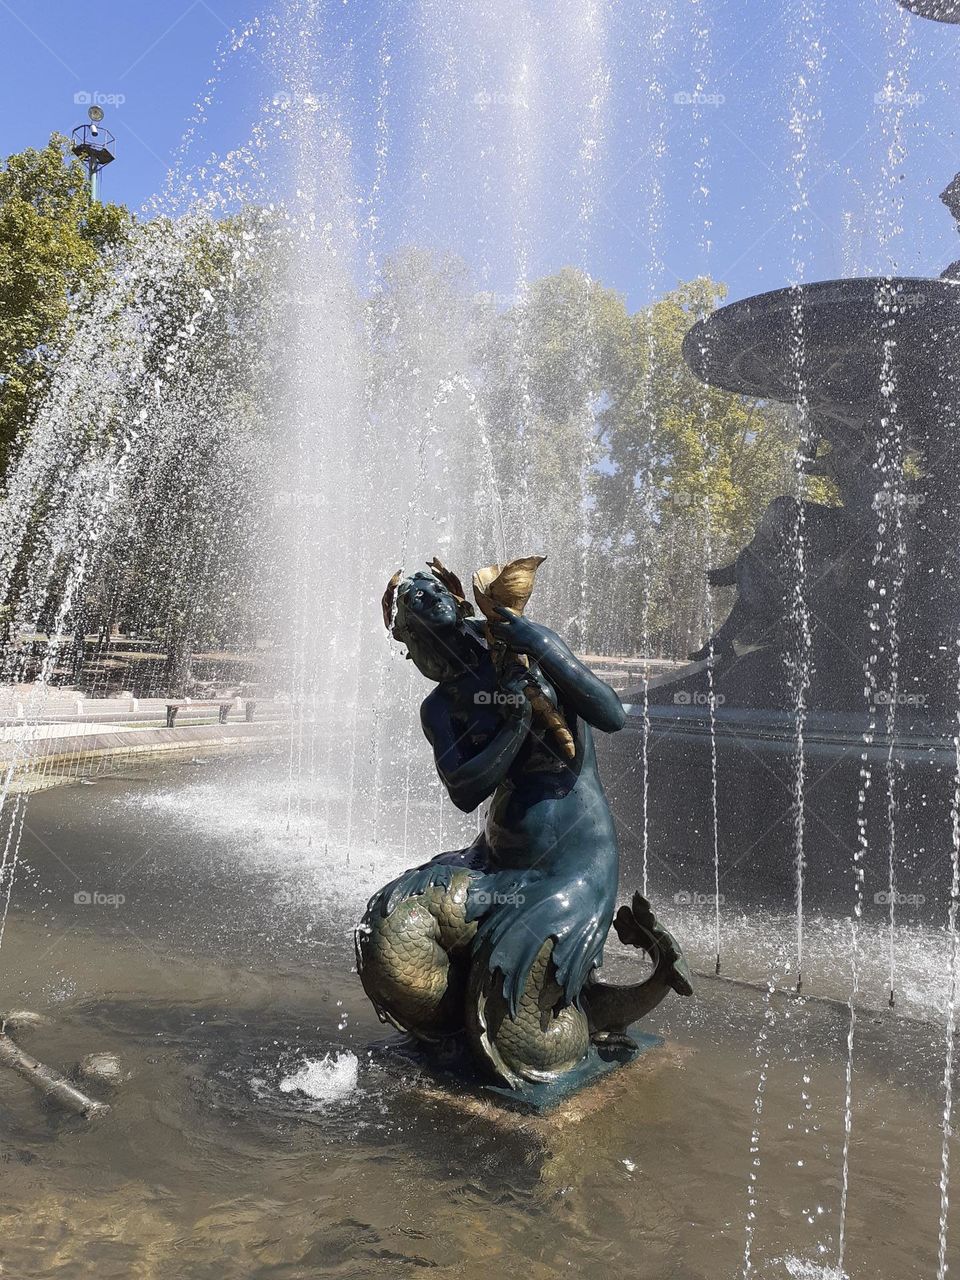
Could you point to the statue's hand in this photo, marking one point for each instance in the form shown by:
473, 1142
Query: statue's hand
519, 633
414, 882
516, 704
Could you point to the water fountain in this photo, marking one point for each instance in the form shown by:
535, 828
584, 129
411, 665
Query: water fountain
869, 612
226, 976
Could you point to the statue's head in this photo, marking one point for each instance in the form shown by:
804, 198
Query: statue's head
428, 613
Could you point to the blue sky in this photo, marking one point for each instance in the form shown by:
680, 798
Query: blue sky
524, 137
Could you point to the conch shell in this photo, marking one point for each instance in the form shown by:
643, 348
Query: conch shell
510, 586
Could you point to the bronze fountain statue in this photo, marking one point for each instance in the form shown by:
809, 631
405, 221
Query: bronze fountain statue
495, 947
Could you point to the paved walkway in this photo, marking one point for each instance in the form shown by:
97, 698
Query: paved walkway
14, 732
41, 726
46, 709
54, 735
625, 674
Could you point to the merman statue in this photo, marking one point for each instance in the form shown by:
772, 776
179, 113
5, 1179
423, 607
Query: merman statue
498, 945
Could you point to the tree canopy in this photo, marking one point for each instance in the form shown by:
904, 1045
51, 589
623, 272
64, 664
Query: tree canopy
580, 419
52, 241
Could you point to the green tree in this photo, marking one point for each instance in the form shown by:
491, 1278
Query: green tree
611, 450
52, 241
546, 366
686, 474
181, 556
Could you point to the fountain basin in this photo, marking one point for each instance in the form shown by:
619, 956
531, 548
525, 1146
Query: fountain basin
838, 339
938, 10
228, 968
756, 760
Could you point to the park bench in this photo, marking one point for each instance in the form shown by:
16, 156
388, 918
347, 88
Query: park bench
223, 706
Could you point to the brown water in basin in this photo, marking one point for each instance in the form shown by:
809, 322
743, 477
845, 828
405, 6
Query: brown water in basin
228, 966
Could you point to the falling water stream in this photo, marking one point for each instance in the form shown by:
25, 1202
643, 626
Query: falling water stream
654, 40
802, 124
379, 449
950, 1021
702, 67
886, 584
892, 103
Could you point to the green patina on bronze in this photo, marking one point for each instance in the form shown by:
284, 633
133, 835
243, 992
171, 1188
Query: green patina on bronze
498, 945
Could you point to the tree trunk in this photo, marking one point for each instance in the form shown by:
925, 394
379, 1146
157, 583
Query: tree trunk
179, 660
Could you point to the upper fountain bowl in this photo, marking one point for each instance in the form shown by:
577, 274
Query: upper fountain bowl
841, 344
939, 10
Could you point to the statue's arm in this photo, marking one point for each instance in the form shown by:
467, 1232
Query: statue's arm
471, 779
581, 691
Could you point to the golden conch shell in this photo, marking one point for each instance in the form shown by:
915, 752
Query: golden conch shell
508, 586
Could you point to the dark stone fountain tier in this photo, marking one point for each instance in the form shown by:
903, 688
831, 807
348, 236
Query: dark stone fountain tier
835, 671
847, 606
846, 345
874, 365
939, 10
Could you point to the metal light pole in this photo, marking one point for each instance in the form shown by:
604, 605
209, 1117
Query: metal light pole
94, 146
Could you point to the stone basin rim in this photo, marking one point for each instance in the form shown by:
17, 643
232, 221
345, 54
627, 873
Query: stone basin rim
935, 10
713, 346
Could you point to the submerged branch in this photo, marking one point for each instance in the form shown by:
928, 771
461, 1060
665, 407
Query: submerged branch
48, 1080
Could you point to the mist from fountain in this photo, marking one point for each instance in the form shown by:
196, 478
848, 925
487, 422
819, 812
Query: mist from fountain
371, 447
376, 450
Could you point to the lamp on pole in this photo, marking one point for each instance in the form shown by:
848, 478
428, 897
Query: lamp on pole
94, 146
